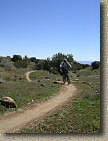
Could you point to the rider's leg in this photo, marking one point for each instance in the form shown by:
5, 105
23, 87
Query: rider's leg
68, 79
64, 79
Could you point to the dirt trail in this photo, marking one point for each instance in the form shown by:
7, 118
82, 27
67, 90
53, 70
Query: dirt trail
16, 120
27, 75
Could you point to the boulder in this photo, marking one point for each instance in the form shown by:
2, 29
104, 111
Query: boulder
1, 81
57, 82
77, 75
84, 82
76, 79
43, 85
90, 96
8, 102
20, 78
47, 77
58, 79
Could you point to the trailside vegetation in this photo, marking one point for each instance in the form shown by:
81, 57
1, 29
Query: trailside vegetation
49, 64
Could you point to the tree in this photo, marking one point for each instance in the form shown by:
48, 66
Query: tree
70, 58
85, 66
21, 64
47, 64
26, 59
95, 65
40, 64
57, 59
33, 59
16, 58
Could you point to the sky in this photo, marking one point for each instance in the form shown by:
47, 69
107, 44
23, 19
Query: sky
42, 28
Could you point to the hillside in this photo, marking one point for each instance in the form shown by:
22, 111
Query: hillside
30, 84
80, 115
15, 85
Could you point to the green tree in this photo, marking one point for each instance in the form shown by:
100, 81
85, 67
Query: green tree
16, 58
70, 58
26, 59
85, 66
47, 64
57, 59
95, 65
33, 59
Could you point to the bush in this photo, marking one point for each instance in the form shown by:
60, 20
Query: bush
6, 64
95, 65
33, 59
20, 64
76, 66
26, 59
85, 66
53, 70
39, 65
57, 59
16, 58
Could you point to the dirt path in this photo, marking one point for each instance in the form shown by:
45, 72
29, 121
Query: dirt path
27, 75
16, 120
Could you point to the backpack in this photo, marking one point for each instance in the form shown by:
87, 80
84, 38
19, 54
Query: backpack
64, 67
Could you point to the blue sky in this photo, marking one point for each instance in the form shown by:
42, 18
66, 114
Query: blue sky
42, 28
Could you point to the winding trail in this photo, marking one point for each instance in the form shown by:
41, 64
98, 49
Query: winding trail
9, 123
27, 74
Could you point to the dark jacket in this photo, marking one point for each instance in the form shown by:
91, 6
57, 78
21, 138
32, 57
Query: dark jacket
65, 66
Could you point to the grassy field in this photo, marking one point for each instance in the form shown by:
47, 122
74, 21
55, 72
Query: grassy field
12, 75
81, 114
23, 92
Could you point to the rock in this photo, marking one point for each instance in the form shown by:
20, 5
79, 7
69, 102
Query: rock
8, 102
15, 76
76, 79
20, 78
55, 82
90, 96
1, 81
77, 75
84, 82
47, 77
58, 79
43, 85
91, 103
98, 90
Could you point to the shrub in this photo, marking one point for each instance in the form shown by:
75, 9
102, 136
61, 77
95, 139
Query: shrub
20, 64
16, 58
6, 64
33, 59
53, 70
95, 65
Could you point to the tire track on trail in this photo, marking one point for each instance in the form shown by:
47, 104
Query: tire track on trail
18, 119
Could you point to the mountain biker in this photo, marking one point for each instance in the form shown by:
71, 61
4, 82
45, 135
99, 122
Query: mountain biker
64, 68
